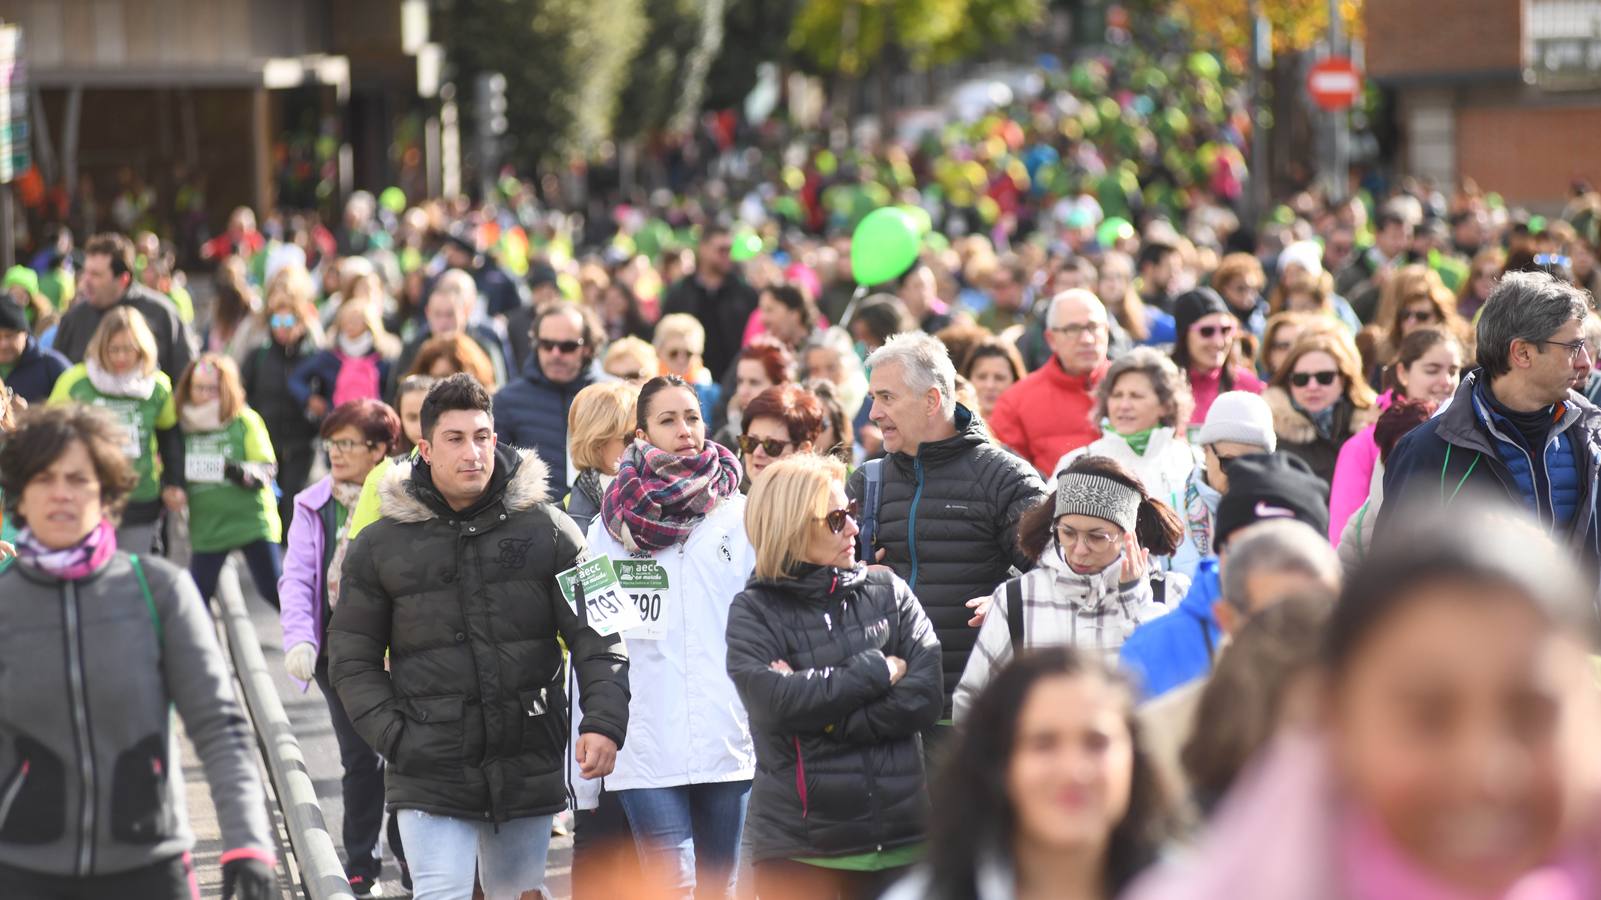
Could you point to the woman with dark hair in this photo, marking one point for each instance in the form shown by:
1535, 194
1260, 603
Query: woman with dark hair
1319, 399
1208, 334
781, 421
359, 435
100, 647
236, 328
788, 315
1414, 297
620, 314
1047, 790
838, 438
673, 519
991, 365
1456, 753
294, 334
1093, 541
879, 318
763, 364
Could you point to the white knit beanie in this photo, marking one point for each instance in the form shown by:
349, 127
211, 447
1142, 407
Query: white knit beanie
1242, 417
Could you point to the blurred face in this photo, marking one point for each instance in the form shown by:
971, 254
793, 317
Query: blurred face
285, 323
1006, 292
750, 379
1279, 347
821, 362
1307, 377
1484, 276
1211, 339
350, 456
674, 422
1296, 277
99, 284
991, 376
122, 354
1159, 274
62, 502
411, 415
765, 436
918, 290
1418, 314
1088, 544
1079, 336
680, 360
1114, 281
612, 452
352, 321
904, 416
445, 313
1463, 726
630, 369
461, 455
205, 385
442, 368
827, 547
1072, 768
1393, 239
1242, 293
715, 257
1133, 405
1434, 375
12, 343
559, 340
779, 320
1337, 251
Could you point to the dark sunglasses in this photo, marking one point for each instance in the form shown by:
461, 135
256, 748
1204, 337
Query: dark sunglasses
1302, 379
774, 448
560, 346
1418, 315
835, 520
1211, 331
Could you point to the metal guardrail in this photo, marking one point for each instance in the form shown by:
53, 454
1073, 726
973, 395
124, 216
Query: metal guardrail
321, 873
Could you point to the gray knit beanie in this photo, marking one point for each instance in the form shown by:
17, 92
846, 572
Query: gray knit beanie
1082, 494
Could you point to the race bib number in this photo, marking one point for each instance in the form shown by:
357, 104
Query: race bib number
203, 468
606, 608
645, 582
128, 416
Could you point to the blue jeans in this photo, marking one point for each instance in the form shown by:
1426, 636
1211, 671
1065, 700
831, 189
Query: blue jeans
262, 557
443, 852
689, 836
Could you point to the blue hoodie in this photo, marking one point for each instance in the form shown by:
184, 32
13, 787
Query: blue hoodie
1176, 648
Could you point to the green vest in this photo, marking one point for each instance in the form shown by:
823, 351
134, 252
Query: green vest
139, 418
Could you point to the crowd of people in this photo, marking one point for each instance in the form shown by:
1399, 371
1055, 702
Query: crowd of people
1065, 548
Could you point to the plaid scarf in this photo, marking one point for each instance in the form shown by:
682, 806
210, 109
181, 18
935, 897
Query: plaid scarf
658, 498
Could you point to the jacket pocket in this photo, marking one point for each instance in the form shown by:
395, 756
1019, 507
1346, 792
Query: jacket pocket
140, 809
432, 740
33, 799
544, 715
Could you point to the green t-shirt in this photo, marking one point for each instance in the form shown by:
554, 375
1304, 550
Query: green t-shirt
222, 515
868, 862
141, 419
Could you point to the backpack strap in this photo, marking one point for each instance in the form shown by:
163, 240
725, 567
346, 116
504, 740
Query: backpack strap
1014, 613
150, 600
872, 497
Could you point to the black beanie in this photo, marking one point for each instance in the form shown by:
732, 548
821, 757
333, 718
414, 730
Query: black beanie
12, 316
1270, 486
1192, 306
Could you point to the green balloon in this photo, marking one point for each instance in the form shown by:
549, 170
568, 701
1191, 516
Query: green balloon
1112, 230
883, 246
393, 199
746, 247
919, 217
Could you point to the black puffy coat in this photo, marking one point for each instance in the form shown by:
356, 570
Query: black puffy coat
472, 714
964, 494
839, 759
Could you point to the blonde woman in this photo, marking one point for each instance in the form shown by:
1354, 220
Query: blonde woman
1319, 400
600, 426
680, 342
632, 360
839, 670
354, 367
119, 373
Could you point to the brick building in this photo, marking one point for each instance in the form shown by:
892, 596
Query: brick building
1507, 92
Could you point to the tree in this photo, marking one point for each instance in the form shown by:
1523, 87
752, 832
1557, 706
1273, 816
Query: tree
1297, 24
564, 62
666, 79
754, 32
848, 36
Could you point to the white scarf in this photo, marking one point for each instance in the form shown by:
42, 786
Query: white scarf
135, 384
205, 416
360, 346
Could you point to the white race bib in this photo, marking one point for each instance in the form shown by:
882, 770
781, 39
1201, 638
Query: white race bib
127, 415
203, 468
606, 608
645, 581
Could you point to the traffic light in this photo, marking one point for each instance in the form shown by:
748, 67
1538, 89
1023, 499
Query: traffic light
492, 103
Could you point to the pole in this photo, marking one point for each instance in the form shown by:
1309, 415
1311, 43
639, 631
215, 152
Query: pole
1341, 161
8, 239
1261, 60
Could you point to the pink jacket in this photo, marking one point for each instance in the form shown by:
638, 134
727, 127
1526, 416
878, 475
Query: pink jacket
300, 586
1353, 475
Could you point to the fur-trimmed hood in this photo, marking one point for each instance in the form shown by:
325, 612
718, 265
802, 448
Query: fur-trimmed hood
527, 486
1293, 427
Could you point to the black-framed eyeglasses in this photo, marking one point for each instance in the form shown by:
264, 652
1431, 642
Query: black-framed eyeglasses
772, 446
1574, 348
1074, 332
1221, 459
1302, 379
560, 346
835, 518
345, 445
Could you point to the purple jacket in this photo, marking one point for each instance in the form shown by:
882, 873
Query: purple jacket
300, 586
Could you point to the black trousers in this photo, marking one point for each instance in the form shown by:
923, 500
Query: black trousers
362, 787
170, 880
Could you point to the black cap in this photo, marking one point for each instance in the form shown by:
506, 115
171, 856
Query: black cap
12, 316
1271, 486
1192, 306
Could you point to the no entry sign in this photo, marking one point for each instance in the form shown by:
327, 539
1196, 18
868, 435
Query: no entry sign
1334, 83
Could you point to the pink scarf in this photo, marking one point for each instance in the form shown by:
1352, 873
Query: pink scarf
71, 563
358, 378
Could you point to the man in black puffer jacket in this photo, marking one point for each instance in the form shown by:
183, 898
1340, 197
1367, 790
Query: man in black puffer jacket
949, 499
457, 582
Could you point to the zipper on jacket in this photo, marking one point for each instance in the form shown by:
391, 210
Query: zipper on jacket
80, 721
800, 777
911, 524
13, 789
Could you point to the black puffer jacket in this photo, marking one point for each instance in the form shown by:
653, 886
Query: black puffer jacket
839, 760
947, 520
472, 714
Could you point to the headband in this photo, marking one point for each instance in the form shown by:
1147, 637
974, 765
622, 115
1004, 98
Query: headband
1079, 494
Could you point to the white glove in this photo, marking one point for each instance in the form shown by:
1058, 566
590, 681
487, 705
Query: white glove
301, 661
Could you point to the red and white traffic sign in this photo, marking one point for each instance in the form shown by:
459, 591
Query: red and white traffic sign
1334, 83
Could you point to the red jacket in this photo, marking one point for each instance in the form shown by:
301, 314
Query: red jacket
1047, 414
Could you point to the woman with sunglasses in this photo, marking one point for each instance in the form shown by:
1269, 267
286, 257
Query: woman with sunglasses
779, 422
1208, 332
1413, 298
673, 523
295, 335
1093, 539
1319, 400
228, 470
358, 435
839, 670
